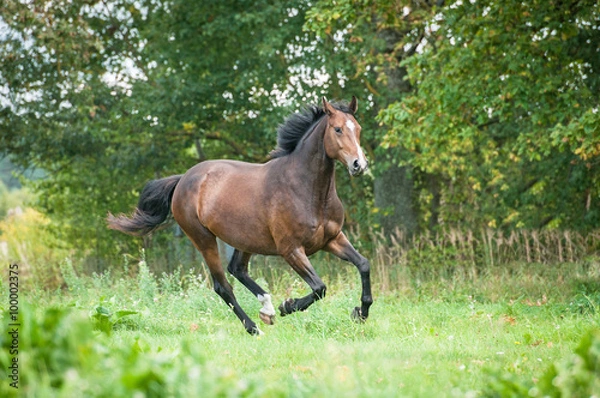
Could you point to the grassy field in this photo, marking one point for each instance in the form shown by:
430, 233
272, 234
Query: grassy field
432, 332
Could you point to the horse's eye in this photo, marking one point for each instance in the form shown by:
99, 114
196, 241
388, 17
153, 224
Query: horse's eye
338, 130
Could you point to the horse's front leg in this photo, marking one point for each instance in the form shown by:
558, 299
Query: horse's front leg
299, 262
342, 248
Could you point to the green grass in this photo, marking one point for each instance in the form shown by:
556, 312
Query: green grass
431, 333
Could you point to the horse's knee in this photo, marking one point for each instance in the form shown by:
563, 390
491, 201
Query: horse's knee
220, 290
364, 266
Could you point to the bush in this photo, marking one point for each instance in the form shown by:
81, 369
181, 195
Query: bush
60, 354
35, 249
576, 376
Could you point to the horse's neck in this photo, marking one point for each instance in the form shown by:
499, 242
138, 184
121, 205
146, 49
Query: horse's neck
316, 168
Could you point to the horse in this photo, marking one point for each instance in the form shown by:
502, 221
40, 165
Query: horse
287, 206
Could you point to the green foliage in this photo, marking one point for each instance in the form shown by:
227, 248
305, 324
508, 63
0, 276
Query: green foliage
106, 320
147, 282
3, 200
11, 199
60, 355
587, 299
48, 347
29, 243
70, 277
506, 112
576, 376
171, 283
490, 106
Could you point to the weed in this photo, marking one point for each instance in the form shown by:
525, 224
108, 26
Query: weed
106, 320
146, 282
171, 283
61, 356
70, 278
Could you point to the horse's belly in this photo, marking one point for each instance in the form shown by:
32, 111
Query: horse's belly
242, 230
248, 241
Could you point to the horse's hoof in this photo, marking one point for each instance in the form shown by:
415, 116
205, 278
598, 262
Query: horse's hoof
357, 315
255, 331
267, 319
286, 307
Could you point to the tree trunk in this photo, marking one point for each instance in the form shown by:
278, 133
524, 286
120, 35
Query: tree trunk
394, 187
394, 194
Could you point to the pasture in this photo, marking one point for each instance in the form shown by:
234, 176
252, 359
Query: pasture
433, 331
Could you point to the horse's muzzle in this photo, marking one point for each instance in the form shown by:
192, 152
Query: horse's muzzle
357, 167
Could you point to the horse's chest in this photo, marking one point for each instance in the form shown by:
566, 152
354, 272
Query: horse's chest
321, 233
311, 227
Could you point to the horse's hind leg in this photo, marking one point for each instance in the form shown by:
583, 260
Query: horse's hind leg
224, 288
300, 263
206, 243
238, 267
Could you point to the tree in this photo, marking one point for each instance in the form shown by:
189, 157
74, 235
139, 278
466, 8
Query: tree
60, 112
507, 112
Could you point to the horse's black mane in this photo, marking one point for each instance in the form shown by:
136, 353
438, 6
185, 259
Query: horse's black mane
299, 124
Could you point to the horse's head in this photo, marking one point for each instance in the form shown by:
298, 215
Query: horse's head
342, 137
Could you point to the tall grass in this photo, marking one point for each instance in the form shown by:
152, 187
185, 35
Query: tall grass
486, 247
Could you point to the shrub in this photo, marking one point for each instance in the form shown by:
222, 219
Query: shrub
33, 247
60, 354
575, 376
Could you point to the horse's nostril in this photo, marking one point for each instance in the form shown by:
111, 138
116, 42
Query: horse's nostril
356, 165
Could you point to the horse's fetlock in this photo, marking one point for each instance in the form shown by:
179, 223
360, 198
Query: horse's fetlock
320, 292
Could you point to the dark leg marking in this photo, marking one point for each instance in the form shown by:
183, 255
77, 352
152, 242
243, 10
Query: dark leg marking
299, 262
342, 248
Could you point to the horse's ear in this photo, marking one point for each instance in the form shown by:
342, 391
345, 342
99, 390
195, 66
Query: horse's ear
353, 105
327, 108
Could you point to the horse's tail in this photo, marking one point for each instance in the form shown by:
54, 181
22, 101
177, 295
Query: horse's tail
152, 210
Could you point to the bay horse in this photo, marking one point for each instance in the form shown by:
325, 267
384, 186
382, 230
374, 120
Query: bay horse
287, 206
